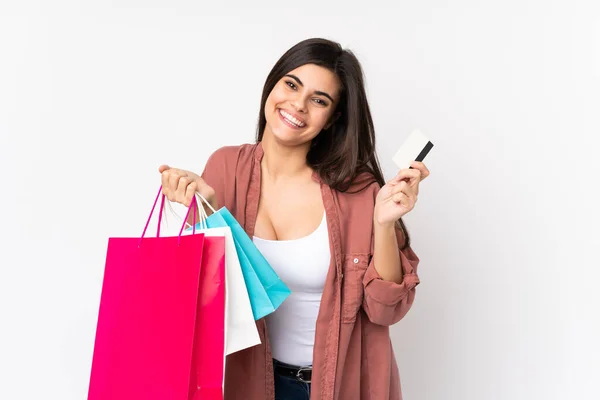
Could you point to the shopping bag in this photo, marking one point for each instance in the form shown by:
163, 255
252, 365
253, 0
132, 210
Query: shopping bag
276, 289
240, 328
265, 289
206, 380
148, 311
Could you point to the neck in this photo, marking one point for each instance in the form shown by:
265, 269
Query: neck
283, 162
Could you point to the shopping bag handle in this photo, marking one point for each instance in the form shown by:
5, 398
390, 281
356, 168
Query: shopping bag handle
203, 215
162, 205
205, 202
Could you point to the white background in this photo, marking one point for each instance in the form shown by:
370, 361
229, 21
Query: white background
94, 96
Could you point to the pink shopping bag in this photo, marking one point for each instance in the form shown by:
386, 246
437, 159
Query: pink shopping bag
144, 345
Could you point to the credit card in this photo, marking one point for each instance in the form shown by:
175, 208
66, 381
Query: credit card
414, 148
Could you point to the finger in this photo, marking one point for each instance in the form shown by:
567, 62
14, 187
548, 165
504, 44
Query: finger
182, 185
190, 192
404, 187
400, 187
164, 181
402, 199
163, 168
172, 184
412, 175
407, 188
421, 167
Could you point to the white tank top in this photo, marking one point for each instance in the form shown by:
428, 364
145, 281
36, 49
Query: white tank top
303, 265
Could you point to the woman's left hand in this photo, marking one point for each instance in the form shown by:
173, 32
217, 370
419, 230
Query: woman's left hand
399, 195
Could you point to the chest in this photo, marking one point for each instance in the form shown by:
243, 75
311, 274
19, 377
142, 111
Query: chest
289, 210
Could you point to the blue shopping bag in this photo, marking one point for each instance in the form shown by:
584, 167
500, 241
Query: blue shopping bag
265, 289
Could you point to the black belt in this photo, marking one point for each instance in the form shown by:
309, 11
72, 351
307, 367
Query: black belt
302, 374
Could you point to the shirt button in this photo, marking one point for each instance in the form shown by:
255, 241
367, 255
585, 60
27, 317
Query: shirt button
356, 261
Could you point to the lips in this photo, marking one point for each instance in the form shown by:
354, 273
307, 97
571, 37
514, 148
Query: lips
290, 119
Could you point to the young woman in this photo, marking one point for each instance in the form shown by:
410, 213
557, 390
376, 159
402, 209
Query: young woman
312, 196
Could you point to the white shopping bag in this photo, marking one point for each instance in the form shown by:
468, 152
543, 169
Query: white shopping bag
240, 327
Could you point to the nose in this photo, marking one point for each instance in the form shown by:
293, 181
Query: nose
299, 104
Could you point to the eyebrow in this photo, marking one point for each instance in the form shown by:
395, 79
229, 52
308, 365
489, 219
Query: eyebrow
294, 77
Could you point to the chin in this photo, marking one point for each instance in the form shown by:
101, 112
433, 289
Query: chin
288, 137
284, 136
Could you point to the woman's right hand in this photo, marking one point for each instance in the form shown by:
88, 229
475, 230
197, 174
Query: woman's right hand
179, 185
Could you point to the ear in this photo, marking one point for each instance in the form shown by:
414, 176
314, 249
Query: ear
333, 118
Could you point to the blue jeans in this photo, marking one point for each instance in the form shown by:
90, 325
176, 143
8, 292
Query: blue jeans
288, 388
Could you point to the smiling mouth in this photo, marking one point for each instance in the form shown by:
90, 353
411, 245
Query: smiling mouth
290, 119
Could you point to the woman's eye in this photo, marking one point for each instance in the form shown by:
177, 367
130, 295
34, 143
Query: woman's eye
290, 84
320, 102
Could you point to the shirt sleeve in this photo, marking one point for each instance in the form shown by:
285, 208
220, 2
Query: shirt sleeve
385, 302
217, 170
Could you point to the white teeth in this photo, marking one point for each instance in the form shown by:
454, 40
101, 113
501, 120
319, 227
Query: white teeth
291, 119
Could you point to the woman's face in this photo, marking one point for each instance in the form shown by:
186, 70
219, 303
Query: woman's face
301, 104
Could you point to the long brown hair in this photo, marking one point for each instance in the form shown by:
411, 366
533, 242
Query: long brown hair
346, 150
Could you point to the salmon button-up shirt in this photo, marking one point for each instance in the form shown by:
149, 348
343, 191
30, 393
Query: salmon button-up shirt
353, 357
